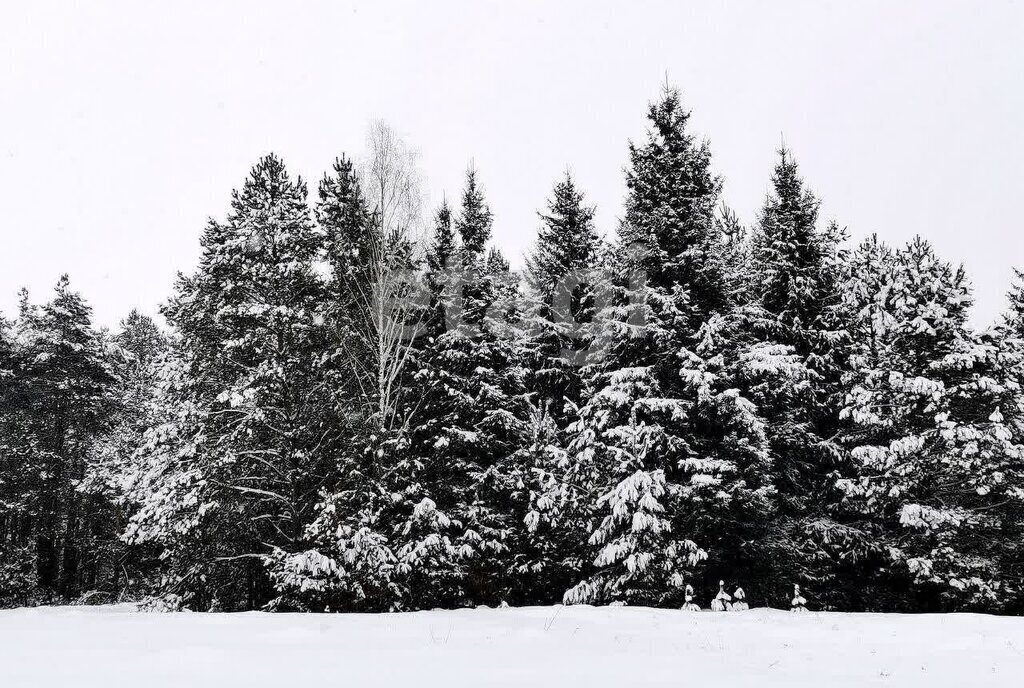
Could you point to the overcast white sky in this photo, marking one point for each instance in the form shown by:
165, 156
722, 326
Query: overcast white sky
124, 126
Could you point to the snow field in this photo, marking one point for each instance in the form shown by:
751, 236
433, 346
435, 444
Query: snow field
606, 647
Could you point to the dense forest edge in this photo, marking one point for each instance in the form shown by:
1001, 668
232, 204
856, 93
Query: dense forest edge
356, 405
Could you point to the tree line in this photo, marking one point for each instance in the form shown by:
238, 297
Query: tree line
344, 414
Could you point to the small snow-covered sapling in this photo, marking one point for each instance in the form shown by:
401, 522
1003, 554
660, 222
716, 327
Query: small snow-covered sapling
799, 604
722, 601
740, 605
690, 605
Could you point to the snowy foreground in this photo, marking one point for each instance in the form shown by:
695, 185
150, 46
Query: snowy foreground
540, 646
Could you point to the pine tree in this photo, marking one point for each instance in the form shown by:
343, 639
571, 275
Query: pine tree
348, 225
560, 271
566, 242
792, 255
376, 325
64, 406
236, 482
622, 433
738, 265
332, 572
138, 349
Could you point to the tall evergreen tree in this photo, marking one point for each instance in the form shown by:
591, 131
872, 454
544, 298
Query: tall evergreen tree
441, 259
470, 423
139, 347
664, 447
237, 480
567, 240
349, 229
793, 324
560, 271
557, 276
790, 254
64, 406
474, 221
669, 225
933, 413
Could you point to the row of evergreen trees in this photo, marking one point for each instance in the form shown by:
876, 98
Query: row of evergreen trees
343, 418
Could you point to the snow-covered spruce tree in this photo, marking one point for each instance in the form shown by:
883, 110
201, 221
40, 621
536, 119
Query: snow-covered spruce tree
61, 407
619, 450
689, 257
456, 542
235, 477
163, 494
557, 270
344, 217
665, 450
933, 413
560, 271
669, 229
440, 258
796, 343
729, 494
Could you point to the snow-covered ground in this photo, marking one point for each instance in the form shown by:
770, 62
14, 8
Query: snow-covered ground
533, 647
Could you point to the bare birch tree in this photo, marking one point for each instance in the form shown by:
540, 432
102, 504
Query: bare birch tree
393, 183
388, 310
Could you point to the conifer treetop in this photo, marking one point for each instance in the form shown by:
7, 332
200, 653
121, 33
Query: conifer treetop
474, 220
